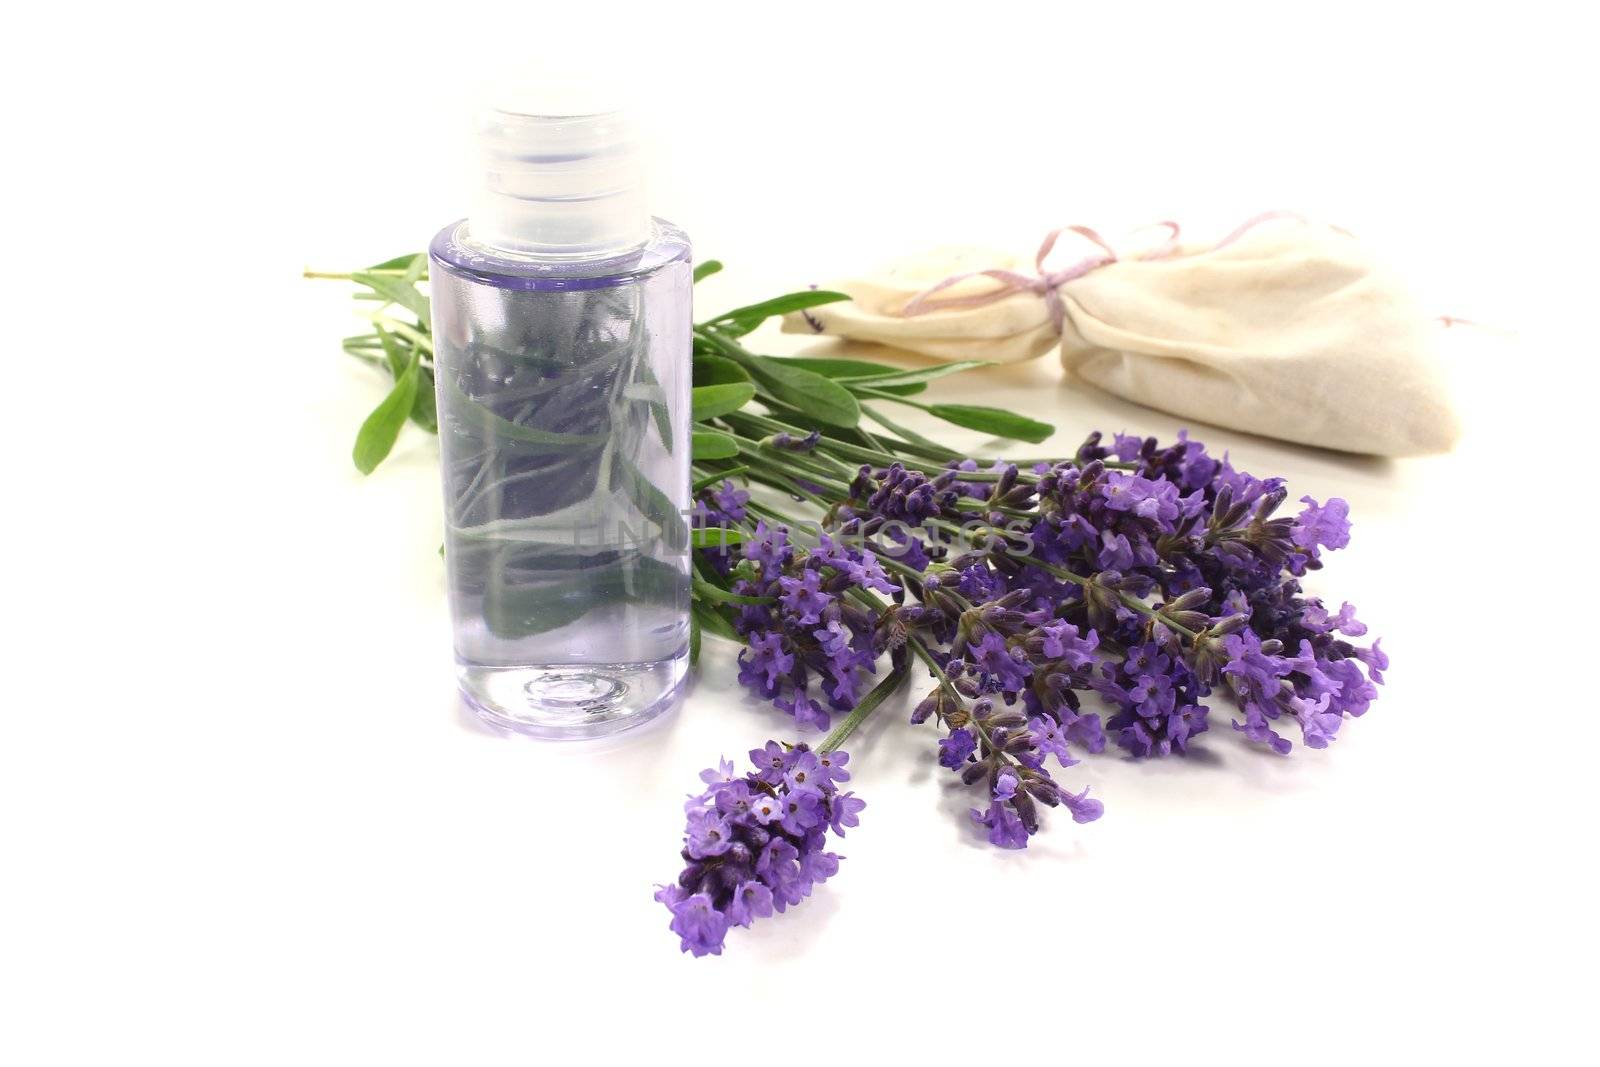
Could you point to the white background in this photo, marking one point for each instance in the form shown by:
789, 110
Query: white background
242, 819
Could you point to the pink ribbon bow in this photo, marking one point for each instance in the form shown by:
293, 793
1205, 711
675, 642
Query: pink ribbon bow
1048, 283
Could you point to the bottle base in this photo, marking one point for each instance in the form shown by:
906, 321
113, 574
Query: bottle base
572, 700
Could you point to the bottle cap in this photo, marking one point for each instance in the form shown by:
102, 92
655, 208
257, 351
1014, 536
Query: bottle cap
562, 174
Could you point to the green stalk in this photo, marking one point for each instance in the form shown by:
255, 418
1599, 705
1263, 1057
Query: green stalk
820, 466
772, 513
777, 481
968, 504
858, 454
1127, 598
710, 477
704, 590
933, 666
867, 705
938, 451
346, 276
760, 458
767, 424
410, 333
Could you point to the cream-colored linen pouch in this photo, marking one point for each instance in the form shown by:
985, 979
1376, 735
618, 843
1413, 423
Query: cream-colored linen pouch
1286, 328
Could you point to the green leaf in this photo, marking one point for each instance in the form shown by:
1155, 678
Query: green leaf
994, 421
396, 291
702, 271
713, 621
533, 588
717, 370
740, 321
399, 262
377, 435
717, 476
922, 376
694, 639
910, 440
658, 408
715, 538
395, 358
492, 425
391, 351
821, 398
416, 269
847, 369
704, 590
652, 503
830, 367
713, 444
425, 412
709, 401
513, 610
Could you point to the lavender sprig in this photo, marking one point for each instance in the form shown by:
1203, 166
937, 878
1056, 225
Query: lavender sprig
756, 843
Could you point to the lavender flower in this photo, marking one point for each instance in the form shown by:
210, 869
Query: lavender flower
806, 628
1323, 524
756, 844
957, 748
720, 506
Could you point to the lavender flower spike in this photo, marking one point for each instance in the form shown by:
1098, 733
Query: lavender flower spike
755, 844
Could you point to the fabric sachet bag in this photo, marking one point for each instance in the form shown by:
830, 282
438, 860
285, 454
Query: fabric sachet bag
1285, 328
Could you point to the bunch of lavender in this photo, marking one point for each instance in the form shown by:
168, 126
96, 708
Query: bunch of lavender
1115, 596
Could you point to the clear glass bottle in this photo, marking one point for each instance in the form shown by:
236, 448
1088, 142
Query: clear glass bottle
561, 325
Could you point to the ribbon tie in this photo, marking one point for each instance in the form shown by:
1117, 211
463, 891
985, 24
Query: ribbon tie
1047, 283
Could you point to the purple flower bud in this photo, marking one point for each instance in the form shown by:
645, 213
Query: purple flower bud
955, 749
